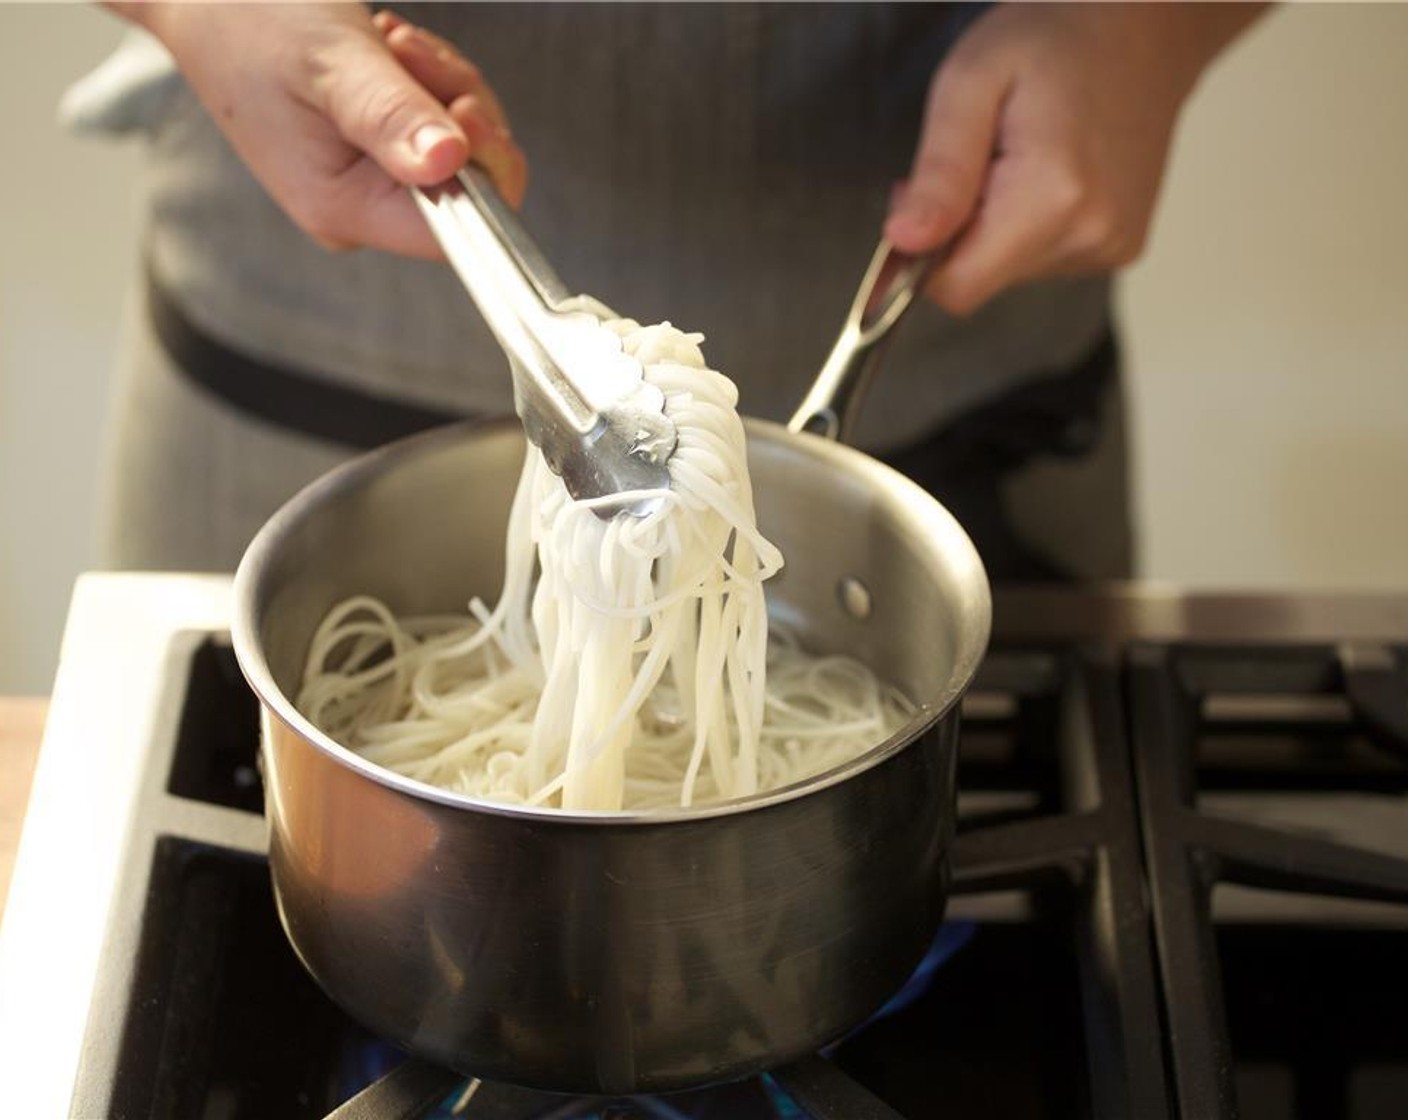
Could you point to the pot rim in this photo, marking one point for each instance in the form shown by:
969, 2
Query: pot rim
973, 630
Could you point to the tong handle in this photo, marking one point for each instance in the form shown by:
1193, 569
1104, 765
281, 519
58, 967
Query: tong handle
515, 288
832, 405
584, 402
504, 223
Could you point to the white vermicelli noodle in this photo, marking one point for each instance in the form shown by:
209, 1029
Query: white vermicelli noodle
635, 672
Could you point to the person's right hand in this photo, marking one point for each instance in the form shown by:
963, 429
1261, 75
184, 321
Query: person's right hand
336, 113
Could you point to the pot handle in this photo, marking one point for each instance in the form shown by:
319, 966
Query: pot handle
832, 405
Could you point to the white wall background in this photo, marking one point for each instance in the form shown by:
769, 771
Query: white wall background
1267, 328
68, 237
1268, 324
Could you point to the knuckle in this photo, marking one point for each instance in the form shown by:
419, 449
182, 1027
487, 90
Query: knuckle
440, 53
446, 53
960, 304
1066, 189
962, 66
1127, 248
937, 175
314, 67
383, 111
954, 294
1096, 232
467, 105
1101, 237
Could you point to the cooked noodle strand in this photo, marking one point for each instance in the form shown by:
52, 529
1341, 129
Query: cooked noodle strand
635, 671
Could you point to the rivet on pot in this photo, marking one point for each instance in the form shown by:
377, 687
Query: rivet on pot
854, 597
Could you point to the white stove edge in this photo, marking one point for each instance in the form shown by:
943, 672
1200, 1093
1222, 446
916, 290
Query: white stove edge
112, 669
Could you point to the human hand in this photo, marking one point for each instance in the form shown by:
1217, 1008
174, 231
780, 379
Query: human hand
336, 113
1045, 137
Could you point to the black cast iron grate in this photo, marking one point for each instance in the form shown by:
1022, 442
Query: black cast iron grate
1092, 849
1328, 999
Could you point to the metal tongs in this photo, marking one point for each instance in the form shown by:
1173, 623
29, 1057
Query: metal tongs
583, 402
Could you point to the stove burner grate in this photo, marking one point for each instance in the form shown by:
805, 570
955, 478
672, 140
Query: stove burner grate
1207, 719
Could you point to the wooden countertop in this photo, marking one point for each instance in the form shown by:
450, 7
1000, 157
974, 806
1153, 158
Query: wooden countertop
21, 727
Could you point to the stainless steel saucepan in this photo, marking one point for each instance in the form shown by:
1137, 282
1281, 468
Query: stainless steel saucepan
620, 952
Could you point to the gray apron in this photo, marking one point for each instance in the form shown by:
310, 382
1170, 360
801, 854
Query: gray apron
722, 167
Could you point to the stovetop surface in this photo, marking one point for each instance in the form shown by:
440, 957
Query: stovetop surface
1181, 882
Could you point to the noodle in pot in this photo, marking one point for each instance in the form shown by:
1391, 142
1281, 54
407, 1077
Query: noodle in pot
635, 672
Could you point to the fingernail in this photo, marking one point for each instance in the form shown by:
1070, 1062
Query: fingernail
427, 136
914, 217
902, 223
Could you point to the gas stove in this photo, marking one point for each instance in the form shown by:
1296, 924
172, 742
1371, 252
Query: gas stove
1181, 886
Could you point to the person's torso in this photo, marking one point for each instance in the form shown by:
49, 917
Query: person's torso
723, 167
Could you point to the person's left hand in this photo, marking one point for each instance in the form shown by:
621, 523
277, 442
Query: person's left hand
1045, 137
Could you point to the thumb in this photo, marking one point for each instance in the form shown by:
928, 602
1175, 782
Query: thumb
956, 146
379, 108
